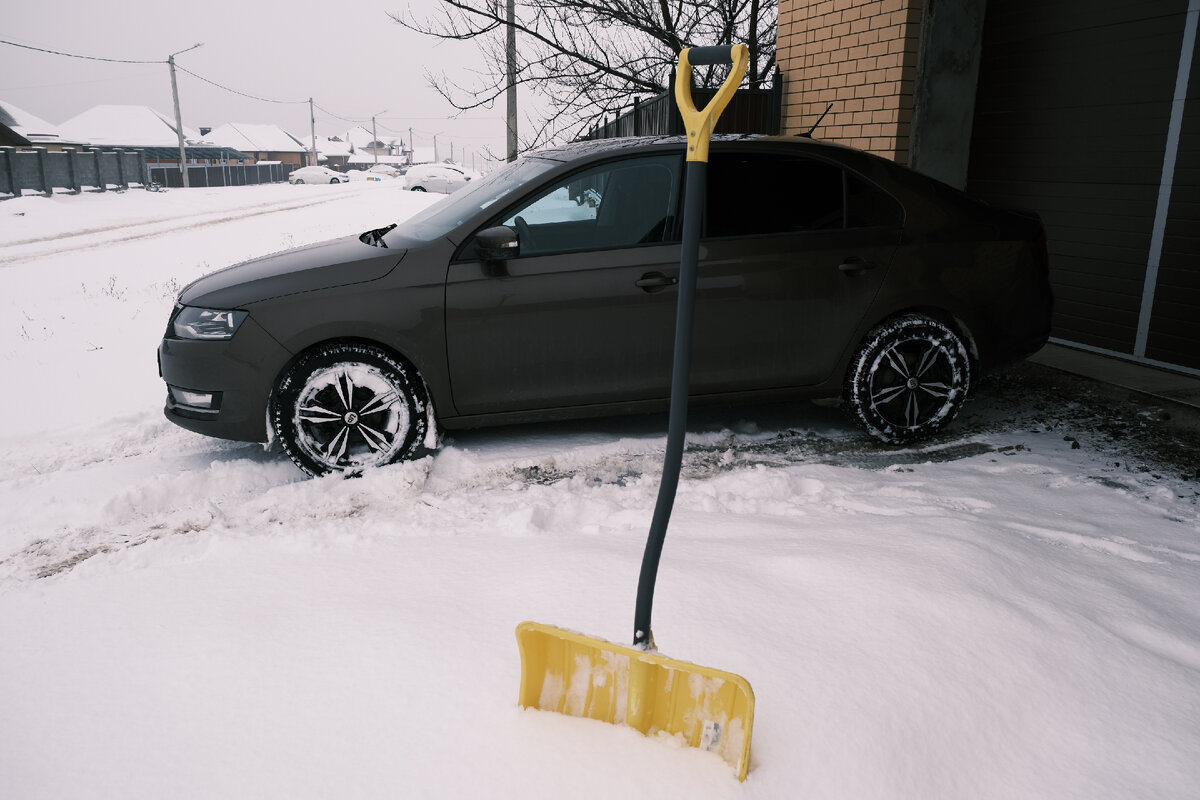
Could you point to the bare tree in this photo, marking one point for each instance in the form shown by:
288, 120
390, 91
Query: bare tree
583, 60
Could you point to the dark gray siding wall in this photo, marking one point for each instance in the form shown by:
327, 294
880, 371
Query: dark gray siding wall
1071, 119
1174, 335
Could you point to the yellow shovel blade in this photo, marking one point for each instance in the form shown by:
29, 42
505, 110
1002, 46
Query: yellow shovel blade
573, 674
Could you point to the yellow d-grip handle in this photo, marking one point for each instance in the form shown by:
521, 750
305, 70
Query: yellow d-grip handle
700, 124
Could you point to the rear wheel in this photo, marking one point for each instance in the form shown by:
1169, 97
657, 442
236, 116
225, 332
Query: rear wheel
908, 379
418, 188
299, 180
346, 407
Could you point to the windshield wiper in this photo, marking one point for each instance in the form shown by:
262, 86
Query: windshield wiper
375, 237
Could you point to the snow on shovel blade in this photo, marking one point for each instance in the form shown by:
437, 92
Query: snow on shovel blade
573, 674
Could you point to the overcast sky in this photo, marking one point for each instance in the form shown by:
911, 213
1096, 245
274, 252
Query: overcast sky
348, 55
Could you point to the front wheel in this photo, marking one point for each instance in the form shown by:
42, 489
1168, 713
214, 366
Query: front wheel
347, 407
299, 180
418, 188
908, 380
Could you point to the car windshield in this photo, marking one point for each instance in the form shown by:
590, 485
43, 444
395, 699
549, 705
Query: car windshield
446, 215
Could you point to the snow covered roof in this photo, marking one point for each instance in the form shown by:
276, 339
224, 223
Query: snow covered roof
326, 148
363, 157
124, 126
257, 137
360, 136
26, 125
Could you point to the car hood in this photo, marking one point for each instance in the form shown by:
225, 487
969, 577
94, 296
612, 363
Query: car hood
339, 262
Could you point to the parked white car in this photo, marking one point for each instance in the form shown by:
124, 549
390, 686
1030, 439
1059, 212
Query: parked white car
317, 175
364, 175
387, 170
435, 178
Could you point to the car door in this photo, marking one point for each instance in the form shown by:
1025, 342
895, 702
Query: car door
795, 249
432, 180
584, 314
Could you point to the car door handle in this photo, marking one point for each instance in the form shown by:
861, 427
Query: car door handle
653, 281
853, 265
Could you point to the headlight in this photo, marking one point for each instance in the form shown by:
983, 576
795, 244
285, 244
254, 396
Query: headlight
207, 323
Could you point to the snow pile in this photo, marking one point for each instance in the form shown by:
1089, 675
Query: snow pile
993, 615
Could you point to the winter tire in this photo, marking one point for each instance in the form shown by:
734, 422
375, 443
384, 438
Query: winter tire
299, 180
347, 407
418, 188
909, 379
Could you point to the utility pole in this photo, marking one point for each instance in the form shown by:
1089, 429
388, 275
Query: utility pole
511, 47
411, 147
375, 136
312, 121
435, 152
178, 117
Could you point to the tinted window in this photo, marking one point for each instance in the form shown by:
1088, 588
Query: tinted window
764, 193
758, 193
620, 204
868, 207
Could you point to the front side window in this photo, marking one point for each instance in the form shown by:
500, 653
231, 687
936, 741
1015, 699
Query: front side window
440, 218
619, 204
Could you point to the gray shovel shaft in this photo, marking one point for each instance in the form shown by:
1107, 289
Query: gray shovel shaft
693, 214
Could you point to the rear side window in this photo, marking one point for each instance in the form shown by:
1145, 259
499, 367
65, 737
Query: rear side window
867, 206
766, 193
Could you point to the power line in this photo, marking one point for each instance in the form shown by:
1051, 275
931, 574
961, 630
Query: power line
386, 129
131, 61
362, 121
244, 94
76, 55
235, 91
471, 118
338, 116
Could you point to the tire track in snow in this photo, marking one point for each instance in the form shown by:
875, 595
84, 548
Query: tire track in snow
229, 490
164, 483
93, 237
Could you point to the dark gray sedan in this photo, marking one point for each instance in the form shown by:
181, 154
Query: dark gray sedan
546, 291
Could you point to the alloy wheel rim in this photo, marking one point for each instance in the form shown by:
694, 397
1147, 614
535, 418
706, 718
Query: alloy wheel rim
913, 382
350, 415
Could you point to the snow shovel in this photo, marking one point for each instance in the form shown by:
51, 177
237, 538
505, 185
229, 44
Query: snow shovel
581, 676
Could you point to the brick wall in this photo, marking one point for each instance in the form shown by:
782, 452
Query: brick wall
860, 55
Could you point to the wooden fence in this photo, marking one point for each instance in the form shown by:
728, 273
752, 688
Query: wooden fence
40, 170
750, 111
168, 175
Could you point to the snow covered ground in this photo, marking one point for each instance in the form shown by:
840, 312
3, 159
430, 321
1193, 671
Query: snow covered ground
1003, 613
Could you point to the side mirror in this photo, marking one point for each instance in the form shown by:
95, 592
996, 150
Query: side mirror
497, 244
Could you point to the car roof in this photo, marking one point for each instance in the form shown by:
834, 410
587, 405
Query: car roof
876, 167
597, 147
910, 187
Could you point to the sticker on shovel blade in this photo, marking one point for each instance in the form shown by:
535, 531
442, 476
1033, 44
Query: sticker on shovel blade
710, 737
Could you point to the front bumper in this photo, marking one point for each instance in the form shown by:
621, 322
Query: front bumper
237, 376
